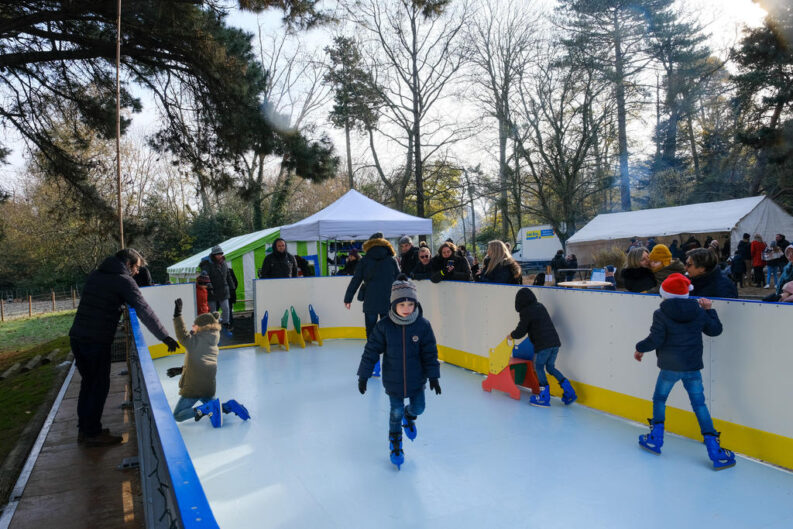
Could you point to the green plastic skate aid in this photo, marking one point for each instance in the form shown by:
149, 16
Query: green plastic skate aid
285, 319
295, 320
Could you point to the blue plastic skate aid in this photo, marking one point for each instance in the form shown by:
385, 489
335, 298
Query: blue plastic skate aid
264, 322
524, 350
314, 317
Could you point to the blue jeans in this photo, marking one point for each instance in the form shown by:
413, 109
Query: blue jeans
545, 360
184, 408
771, 270
692, 381
223, 307
416, 408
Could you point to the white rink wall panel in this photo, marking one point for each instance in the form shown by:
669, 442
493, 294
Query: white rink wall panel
160, 298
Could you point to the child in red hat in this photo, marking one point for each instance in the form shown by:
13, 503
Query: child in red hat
676, 336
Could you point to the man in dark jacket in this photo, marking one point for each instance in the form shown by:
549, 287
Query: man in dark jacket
744, 249
781, 242
408, 255
557, 263
222, 284
536, 323
279, 264
374, 275
106, 290
706, 277
423, 270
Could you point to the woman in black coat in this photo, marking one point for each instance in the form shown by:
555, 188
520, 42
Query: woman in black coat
637, 276
448, 264
501, 267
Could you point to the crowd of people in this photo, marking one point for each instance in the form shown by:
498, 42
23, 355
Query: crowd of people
713, 270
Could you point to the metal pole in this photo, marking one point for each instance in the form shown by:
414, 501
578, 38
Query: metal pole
118, 125
2, 310
30, 306
53, 299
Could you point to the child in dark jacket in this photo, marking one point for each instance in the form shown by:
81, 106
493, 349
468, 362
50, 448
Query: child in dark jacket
676, 336
197, 382
410, 357
536, 322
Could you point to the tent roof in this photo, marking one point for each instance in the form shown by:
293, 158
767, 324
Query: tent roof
355, 217
709, 217
232, 248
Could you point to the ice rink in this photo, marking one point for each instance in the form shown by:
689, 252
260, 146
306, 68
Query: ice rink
315, 455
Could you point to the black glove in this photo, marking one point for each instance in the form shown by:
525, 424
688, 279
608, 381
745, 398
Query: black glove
177, 308
173, 371
172, 344
362, 385
435, 385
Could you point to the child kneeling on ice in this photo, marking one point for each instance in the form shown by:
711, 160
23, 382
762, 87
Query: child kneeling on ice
200, 367
536, 322
676, 336
410, 357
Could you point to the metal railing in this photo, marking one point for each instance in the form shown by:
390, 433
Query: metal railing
172, 493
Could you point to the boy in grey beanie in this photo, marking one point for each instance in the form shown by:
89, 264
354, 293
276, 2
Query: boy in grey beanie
410, 357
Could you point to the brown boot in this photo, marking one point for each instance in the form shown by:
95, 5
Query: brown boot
103, 439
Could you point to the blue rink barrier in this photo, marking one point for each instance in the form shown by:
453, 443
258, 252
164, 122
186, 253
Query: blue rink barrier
172, 493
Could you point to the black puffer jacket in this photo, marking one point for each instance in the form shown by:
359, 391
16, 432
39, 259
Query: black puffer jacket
638, 279
410, 355
106, 290
278, 265
462, 270
534, 321
422, 271
676, 334
409, 260
377, 270
506, 273
220, 278
714, 284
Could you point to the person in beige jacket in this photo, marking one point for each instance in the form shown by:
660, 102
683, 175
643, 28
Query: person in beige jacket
197, 382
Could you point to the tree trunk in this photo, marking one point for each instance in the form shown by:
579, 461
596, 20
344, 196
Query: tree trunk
694, 153
349, 154
416, 89
503, 203
258, 214
622, 135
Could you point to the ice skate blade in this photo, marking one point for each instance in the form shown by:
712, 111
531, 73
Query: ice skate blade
656, 451
539, 405
719, 466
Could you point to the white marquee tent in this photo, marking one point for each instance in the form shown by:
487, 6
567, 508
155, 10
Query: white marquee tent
734, 217
355, 217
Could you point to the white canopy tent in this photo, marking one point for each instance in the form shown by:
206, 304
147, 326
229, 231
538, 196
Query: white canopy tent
734, 217
355, 217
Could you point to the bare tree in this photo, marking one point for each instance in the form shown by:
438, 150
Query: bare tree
414, 52
502, 37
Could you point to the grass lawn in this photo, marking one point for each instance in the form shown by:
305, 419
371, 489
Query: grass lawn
22, 395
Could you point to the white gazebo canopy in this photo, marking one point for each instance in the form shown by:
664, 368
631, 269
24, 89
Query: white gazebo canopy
355, 217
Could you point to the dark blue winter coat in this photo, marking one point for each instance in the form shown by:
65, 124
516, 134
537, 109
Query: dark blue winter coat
506, 273
534, 321
106, 290
676, 334
377, 271
410, 355
713, 284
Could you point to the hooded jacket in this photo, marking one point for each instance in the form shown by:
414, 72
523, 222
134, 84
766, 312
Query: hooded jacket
278, 265
410, 355
409, 260
106, 290
534, 321
377, 270
676, 334
714, 284
219, 277
200, 361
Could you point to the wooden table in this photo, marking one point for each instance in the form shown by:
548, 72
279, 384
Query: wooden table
584, 284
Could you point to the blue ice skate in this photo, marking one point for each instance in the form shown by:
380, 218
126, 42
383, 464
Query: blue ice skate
232, 406
212, 410
376, 372
409, 425
721, 457
395, 444
654, 440
569, 396
543, 399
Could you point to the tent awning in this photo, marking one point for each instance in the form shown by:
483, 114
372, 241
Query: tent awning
355, 217
231, 248
710, 217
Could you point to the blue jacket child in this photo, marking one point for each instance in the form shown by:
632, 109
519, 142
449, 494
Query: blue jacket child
410, 357
676, 336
